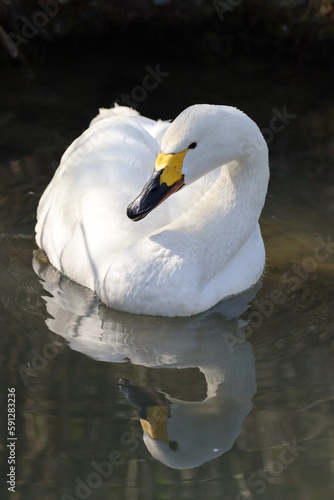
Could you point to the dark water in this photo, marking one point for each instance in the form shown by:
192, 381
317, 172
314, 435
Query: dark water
250, 383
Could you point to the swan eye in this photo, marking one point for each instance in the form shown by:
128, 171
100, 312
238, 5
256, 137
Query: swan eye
192, 145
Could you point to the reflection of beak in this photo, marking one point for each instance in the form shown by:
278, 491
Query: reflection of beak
167, 178
153, 409
142, 396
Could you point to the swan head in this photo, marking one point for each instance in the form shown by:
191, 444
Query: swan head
202, 138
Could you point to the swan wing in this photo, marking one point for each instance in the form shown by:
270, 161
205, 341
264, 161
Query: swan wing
82, 214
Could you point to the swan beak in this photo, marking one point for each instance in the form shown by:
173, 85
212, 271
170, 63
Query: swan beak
167, 178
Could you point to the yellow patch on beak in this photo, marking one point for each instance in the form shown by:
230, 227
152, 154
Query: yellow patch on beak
171, 166
155, 424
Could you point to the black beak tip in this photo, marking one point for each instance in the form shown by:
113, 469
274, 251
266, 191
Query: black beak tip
133, 212
145, 202
130, 212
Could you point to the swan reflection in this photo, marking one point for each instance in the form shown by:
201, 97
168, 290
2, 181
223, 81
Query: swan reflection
180, 434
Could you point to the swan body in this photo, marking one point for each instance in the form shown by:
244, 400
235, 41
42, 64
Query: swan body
200, 245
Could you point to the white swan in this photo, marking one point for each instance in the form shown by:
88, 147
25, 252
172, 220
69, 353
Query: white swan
199, 246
